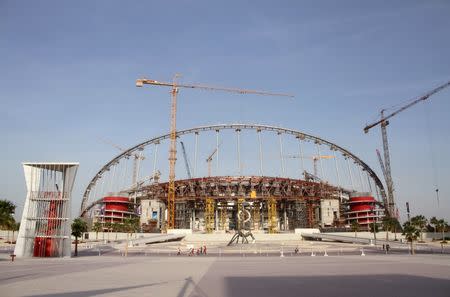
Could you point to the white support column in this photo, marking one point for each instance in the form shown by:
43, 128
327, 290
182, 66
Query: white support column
261, 169
195, 154
217, 152
238, 133
283, 172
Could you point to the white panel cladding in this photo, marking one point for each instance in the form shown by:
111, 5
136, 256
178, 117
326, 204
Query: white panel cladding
45, 225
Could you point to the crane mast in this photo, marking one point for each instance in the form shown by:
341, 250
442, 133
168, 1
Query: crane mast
386, 165
173, 126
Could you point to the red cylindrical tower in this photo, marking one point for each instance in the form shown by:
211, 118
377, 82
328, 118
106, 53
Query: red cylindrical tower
363, 208
115, 209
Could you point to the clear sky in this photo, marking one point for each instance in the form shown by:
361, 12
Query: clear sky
68, 68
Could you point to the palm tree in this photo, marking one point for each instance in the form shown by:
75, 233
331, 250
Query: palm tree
374, 228
108, 227
15, 228
388, 225
442, 225
434, 223
97, 227
117, 227
411, 233
7, 209
78, 228
420, 222
355, 227
130, 225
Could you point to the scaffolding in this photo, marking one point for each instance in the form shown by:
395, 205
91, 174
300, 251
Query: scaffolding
209, 215
256, 214
272, 215
223, 215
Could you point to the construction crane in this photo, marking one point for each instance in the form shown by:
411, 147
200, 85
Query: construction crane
186, 162
209, 160
383, 122
383, 169
314, 158
175, 86
137, 158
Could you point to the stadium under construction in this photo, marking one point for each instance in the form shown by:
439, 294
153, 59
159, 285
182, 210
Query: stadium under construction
220, 203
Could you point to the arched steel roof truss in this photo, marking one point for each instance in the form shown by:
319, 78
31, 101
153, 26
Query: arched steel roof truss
298, 134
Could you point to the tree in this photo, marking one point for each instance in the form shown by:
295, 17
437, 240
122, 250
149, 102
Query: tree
15, 228
7, 209
130, 225
116, 227
108, 227
420, 222
374, 228
442, 225
78, 228
434, 223
97, 227
388, 225
355, 227
411, 233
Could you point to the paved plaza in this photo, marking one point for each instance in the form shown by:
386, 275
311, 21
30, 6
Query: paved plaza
370, 275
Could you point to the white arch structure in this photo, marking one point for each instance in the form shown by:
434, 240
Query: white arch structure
86, 205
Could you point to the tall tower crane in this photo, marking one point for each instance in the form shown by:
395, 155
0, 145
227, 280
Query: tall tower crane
314, 158
175, 86
186, 162
383, 122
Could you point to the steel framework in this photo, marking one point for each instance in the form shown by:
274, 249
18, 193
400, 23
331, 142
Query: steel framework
87, 204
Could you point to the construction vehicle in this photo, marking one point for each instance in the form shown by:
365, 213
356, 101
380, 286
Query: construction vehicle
383, 122
175, 86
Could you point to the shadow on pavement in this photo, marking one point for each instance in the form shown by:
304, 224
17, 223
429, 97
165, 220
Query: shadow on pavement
96, 292
364, 285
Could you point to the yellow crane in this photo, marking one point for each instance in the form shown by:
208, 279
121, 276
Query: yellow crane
314, 158
174, 85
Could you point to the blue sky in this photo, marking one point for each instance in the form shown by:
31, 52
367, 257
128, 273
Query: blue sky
68, 69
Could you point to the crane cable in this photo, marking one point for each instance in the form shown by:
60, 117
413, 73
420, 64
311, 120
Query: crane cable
434, 168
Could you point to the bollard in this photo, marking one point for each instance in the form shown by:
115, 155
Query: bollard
362, 252
281, 253
325, 255
312, 253
12, 257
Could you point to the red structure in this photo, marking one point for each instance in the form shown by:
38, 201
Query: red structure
47, 246
115, 209
363, 208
